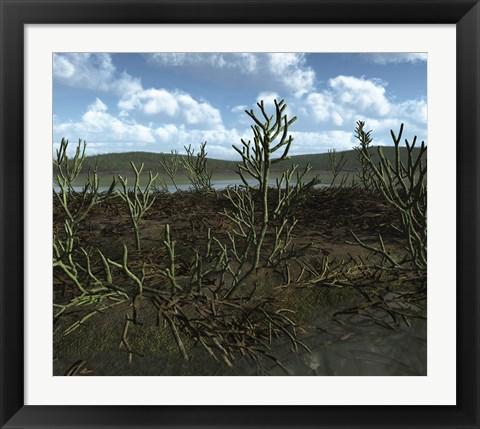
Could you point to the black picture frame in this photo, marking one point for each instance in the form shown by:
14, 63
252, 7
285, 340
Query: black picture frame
465, 14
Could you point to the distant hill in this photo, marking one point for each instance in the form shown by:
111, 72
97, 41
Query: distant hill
120, 162
321, 161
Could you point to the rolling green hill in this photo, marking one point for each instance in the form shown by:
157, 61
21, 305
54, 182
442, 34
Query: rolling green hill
120, 162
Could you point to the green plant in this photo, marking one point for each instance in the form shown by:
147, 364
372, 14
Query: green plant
138, 200
139, 282
197, 168
336, 165
364, 155
169, 272
226, 328
68, 171
170, 165
208, 267
246, 249
160, 186
403, 185
75, 205
270, 136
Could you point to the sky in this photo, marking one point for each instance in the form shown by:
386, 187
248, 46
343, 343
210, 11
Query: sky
159, 102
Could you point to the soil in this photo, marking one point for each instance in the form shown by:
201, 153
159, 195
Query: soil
322, 238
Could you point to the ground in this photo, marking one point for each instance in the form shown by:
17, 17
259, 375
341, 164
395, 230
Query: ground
323, 300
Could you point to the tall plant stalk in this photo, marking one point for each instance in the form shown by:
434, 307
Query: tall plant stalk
171, 166
364, 155
75, 205
197, 168
404, 186
270, 137
138, 200
336, 164
257, 160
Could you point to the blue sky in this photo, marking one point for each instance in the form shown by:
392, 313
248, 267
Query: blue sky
159, 102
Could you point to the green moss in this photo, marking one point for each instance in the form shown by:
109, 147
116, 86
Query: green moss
98, 343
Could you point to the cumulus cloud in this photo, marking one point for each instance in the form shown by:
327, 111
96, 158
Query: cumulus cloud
243, 62
62, 67
165, 119
151, 102
92, 71
321, 141
105, 132
348, 99
97, 126
345, 99
322, 106
220, 141
167, 132
175, 107
98, 106
414, 110
397, 57
268, 98
361, 94
290, 70
198, 113
239, 109
412, 113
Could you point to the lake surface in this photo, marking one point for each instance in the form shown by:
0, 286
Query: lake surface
217, 184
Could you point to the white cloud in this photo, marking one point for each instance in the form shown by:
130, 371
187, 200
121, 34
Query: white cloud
318, 142
219, 141
175, 107
166, 133
98, 106
290, 70
170, 119
106, 133
249, 62
243, 62
98, 126
281, 62
151, 102
92, 71
360, 94
62, 68
239, 109
198, 113
381, 126
400, 57
321, 105
381, 130
415, 110
346, 99
337, 118
268, 98
412, 113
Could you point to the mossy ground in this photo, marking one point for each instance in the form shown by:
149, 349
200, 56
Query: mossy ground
325, 220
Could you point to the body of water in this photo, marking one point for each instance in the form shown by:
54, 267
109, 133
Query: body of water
218, 184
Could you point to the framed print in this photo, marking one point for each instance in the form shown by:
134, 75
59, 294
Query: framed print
240, 234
